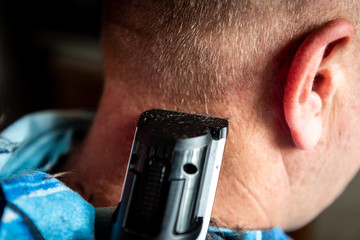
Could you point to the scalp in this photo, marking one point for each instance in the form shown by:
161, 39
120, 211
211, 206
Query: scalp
204, 51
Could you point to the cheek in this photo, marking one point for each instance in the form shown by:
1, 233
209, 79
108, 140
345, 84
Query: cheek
346, 135
347, 120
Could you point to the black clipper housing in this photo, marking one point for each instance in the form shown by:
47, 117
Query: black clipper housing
171, 178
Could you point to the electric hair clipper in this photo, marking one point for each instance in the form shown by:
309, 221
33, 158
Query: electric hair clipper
170, 184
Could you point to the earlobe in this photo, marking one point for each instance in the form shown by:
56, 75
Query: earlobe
312, 82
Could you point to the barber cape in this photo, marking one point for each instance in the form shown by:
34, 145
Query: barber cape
35, 205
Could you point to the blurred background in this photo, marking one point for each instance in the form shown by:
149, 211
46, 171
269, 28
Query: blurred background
50, 58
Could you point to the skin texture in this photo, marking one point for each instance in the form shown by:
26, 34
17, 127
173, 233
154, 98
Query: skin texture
282, 165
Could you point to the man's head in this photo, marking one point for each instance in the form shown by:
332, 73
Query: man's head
286, 74
201, 50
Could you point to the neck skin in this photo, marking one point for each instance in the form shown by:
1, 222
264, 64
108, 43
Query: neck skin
99, 165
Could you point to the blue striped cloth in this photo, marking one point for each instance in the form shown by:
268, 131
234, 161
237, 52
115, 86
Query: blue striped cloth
34, 205
38, 206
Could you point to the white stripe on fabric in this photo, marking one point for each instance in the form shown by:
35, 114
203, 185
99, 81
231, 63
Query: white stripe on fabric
258, 235
43, 192
9, 216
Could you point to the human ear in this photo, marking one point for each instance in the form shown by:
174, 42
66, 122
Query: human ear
313, 78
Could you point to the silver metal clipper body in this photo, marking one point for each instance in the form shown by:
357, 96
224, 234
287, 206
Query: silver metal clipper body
171, 179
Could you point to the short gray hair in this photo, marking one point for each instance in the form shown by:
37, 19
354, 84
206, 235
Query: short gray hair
203, 50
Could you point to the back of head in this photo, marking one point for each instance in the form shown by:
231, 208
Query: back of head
282, 71
206, 51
